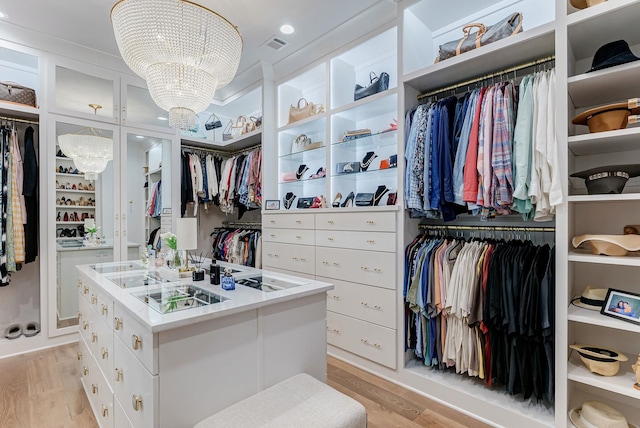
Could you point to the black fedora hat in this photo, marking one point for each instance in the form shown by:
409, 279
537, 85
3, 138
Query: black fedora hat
612, 54
608, 179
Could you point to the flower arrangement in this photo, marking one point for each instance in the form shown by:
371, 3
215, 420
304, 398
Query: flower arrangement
170, 239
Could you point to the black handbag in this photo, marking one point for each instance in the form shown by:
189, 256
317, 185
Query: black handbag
507, 27
212, 123
364, 199
376, 84
305, 202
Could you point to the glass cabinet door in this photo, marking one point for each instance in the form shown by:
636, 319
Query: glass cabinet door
145, 189
83, 212
139, 109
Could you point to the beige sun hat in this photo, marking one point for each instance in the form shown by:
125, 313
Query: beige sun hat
610, 245
591, 298
597, 414
582, 4
600, 360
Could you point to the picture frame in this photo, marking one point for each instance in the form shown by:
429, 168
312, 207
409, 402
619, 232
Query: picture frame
622, 305
272, 204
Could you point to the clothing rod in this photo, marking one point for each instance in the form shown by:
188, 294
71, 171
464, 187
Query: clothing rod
14, 119
488, 228
218, 151
488, 76
242, 224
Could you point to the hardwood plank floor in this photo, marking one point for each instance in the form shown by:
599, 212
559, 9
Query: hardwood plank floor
42, 390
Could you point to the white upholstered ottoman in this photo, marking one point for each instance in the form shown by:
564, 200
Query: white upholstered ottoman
298, 402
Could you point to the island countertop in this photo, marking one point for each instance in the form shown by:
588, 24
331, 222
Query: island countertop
135, 299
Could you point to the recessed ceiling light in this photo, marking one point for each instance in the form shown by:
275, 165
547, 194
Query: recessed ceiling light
139, 136
163, 118
287, 29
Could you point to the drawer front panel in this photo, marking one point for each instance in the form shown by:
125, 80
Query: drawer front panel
369, 221
135, 388
362, 338
365, 267
289, 236
289, 272
87, 318
85, 364
289, 221
138, 339
367, 303
104, 401
370, 241
121, 420
103, 346
85, 288
104, 307
297, 258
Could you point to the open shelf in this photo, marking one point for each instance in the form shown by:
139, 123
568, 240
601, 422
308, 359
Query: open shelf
621, 383
19, 111
306, 155
619, 140
303, 182
604, 86
587, 316
368, 175
76, 207
604, 198
587, 257
247, 140
381, 139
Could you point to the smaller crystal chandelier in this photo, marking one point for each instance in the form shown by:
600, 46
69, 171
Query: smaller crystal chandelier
90, 152
183, 50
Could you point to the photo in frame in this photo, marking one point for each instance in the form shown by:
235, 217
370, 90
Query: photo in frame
272, 204
623, 305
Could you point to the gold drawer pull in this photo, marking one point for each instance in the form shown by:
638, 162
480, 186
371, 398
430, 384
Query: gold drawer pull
94, 299
136, 400
79, 356
79, 283
334, 297
375, 345
371, 241
335, 330
94, 337
299, 221
79, 315
273, 236
298, 237
118, 323
105, 411
377, 270
336, 264
330, 221
85, 371
94, 388
105, 309
118, 375
85, 290
104, 353
272, 221
364, 268
302, 259
371, 222
85, 325
136, 342
330, 239
325, 263
377, 307
294, 258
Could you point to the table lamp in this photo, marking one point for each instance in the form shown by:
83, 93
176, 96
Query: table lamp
187, 236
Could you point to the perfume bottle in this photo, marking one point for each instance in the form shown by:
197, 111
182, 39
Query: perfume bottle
228, 281
214, 273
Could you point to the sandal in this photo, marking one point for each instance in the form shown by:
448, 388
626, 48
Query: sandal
13, 331
31, 329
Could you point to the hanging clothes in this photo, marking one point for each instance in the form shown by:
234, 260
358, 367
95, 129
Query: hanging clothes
240, 246
490, 152
30, 192
484, 309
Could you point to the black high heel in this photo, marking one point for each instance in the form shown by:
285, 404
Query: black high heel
336, 201
380, 191
348, 201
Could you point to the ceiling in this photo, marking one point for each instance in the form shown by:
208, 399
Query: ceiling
87, 23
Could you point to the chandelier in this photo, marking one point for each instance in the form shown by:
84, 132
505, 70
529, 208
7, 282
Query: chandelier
183, 50
90, 152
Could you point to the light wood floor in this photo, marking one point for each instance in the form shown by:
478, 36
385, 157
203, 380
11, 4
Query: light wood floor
42, 390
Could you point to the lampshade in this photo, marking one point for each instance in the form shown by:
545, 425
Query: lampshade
187, 233
183, 50
90, 153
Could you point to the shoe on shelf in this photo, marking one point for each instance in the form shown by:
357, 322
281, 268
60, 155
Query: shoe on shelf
347, 202
75, 216
322, 172
288, 199
58, 217
31, 329
66, 217
90, 187
317, 202
380, 192
323, 202
14, 331
336, 200
57, 184
366, 161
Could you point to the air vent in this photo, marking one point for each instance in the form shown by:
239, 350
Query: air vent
276, 43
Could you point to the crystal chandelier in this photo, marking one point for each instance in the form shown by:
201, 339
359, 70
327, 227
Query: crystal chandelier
90, 152
183, 50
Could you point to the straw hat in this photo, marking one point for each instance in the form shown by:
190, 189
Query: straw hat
609, 245
581, 4
607, 117
591, 298
597, 414
603, 361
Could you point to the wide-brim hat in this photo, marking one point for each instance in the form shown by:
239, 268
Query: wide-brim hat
597, 414
612, 54
608, 179
591, 298
608, 117
582, 4
600, 360
609, 245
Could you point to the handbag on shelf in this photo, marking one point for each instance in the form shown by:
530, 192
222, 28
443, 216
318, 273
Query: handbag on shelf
226, 132
376, 84
302, 143
483, 36
305, 202
212, 123
15, 93
239, 128
301, 110
364, 199
355, 134
257, 121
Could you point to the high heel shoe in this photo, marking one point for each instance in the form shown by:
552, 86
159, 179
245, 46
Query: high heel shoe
317, 202
336, 200
59, 216
66, 217
380, 191
347, 202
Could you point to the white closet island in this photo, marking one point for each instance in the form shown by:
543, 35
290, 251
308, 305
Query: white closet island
159, 351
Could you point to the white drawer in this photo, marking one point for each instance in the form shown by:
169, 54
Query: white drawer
370, 241
297, 258
365, 302
289, 272
121, 420
135, 388
367, 221
104, 307
289, 221
85, 364
103, 346
289, 236
86, 289
368, 340
365, 267
104, 401
87, 317
137, 338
